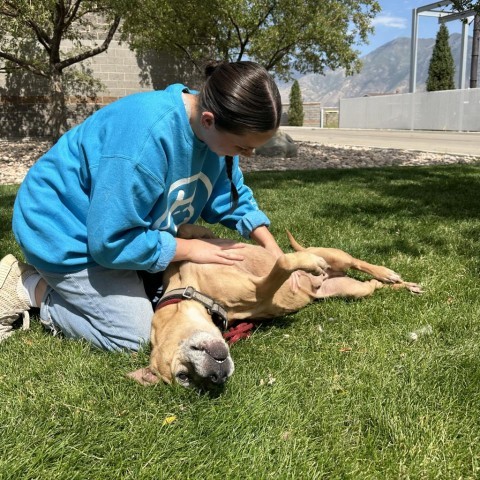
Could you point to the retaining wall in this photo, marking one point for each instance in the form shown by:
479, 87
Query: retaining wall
456, 110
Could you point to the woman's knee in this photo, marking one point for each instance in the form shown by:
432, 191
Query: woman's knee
124, 324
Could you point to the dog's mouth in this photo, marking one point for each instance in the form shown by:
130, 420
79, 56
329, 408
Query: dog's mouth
204, 363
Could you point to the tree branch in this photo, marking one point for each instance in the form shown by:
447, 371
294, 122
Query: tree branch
23, 64
242, 43
58, 24
6, 13
187, 53
71, 14
277, 56
94, 51
41, 35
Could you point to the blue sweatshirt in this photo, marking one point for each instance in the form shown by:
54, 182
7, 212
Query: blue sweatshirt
114, 190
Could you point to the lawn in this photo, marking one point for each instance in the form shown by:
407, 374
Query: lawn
336, 391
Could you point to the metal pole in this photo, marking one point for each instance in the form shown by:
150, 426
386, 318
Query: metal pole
413, 51
463, 55
475, 51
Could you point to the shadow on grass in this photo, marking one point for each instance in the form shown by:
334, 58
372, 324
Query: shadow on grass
445, 191
426, 203
7, 199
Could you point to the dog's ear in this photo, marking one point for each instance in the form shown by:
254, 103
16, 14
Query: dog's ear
144, 376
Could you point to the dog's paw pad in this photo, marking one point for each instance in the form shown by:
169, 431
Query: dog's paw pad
321, 265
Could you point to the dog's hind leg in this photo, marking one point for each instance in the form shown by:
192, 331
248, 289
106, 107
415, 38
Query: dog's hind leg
385, 275
347, 287
340, 262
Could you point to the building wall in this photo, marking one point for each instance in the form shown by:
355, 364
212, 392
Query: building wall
24, 98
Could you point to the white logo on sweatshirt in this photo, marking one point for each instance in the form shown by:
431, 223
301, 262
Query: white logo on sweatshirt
179, 200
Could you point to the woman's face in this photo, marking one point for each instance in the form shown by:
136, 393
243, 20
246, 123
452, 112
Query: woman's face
225, 143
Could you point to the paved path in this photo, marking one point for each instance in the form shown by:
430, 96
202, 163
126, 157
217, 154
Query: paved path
458, 143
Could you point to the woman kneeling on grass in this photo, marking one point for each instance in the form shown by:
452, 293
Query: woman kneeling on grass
107, 200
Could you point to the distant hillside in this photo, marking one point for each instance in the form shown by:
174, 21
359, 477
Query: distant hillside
385, 70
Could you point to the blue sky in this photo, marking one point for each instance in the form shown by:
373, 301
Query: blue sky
395, 20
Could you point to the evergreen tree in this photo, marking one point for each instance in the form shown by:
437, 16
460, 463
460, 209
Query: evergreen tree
442, 68
295, 110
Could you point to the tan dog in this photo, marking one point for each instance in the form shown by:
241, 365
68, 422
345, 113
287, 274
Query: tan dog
187, 346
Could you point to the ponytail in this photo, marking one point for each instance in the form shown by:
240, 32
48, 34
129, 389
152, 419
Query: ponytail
233, 188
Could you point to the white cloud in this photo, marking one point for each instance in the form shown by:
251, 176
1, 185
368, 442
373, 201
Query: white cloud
390, 21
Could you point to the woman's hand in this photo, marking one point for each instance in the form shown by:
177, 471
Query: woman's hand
215, 250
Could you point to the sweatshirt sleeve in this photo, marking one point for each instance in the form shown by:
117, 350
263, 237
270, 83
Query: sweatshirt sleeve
246, 216
119, 218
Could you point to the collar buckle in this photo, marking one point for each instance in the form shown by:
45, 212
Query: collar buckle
188, 293
219, 315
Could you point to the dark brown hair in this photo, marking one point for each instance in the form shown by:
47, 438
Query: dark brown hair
243, 98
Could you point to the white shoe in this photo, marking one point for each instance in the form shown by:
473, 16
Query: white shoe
13, 300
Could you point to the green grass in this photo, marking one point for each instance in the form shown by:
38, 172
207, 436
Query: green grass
353, 399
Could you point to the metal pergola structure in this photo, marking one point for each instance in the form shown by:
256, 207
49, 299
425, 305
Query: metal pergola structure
437, 10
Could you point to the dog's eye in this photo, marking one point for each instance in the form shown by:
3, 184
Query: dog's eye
182, 377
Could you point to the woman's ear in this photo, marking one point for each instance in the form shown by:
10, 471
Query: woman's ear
207, 119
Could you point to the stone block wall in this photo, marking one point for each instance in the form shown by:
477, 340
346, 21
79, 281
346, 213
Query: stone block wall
24, 99
314, 115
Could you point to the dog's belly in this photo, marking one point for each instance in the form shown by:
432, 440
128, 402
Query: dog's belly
257, 262
232, 285
236, 286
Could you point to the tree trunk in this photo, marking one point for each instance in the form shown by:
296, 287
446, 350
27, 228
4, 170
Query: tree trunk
475, 49
58, 111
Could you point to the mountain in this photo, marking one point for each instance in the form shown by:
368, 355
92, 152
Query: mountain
385, 70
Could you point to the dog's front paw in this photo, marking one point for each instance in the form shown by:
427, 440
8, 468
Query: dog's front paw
320, 266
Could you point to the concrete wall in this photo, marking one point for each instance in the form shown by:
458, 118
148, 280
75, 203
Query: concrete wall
456, 110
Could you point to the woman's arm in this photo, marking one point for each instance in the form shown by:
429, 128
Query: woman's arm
262, 236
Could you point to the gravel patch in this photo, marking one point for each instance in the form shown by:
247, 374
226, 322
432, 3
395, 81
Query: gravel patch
16, 157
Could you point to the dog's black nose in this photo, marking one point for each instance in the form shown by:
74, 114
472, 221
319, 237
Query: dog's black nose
217, 350
218, 379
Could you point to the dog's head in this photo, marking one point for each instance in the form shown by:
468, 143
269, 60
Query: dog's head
187, 348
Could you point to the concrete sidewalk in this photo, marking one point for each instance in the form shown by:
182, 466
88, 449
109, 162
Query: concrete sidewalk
457, 143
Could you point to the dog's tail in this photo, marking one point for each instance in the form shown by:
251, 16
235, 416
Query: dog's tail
295, 245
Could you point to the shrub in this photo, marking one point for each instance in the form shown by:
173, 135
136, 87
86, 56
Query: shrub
295, 110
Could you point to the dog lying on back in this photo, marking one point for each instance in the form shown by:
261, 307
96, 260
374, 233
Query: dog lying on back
201, 300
